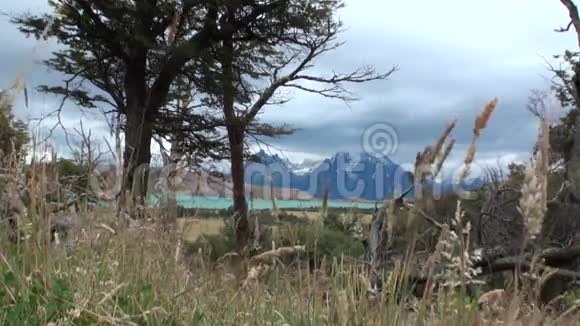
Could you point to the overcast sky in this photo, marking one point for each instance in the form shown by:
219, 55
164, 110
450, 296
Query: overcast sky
453, 56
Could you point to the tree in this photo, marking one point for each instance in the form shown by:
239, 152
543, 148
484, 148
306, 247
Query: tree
13, 142
567, 87
13, 132
132, 52
280, 56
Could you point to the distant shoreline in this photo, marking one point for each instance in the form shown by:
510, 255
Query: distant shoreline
211, 202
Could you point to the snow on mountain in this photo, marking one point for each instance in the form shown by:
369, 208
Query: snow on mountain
344, 175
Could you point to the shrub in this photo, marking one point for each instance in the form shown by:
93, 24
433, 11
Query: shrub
332, 240
321, 242
213, 246
39, 302
13, 132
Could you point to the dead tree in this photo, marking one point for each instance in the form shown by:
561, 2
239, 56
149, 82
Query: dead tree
378, 244
500, 228
560, 226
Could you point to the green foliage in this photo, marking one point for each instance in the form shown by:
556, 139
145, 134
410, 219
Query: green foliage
517, 173
346, 223
566, 78
36, 301
563, 87
66, 180
74, 174
13, 132
331, 240
562, 137
332, 244
213, 246
267, 219
164, 51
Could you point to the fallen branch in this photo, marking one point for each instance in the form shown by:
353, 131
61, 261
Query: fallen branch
277, 253
551, 256
510, 263
108, 228
522, 263
502, 266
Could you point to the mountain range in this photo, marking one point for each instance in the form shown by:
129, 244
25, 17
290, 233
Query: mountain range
344, 175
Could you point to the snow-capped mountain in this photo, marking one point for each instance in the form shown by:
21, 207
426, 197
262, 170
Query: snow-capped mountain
344, 176
305, 167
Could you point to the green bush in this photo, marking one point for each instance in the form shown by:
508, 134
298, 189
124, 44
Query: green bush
13, 132
214, 246
321, 242
36, 301
331, 240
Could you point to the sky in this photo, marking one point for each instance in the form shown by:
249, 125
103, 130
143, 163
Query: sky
453, 56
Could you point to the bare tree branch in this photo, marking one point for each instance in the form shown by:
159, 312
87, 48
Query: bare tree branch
574, 19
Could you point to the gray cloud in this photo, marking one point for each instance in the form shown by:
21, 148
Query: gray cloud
453, 57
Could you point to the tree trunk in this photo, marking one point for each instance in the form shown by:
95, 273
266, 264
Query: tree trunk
560, 226
138, 133
173, 170
377, 250
235, 128
137, 156
573, 172
239, 189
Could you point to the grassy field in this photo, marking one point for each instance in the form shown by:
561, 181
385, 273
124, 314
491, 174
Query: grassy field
194, 227
139, 276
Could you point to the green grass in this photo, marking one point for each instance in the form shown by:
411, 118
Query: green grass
132, 277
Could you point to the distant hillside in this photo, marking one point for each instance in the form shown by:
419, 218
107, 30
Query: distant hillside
215, 186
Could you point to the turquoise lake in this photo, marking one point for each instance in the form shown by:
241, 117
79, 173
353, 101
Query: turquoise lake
188, 201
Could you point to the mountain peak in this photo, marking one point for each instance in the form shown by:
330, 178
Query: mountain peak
262, 157
372, 158
345, 157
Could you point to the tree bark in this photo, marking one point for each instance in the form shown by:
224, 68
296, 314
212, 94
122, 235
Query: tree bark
172, 165
377, 250
239, 189
137, 156
236, 132
138, 133
573, 172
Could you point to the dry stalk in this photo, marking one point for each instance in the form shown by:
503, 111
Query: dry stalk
108, 228
342, 308
429, 162
533, 203
567, 316
254, 275
480, 124
112, 293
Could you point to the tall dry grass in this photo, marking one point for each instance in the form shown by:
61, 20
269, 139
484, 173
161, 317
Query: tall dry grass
136, 275
128, 276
